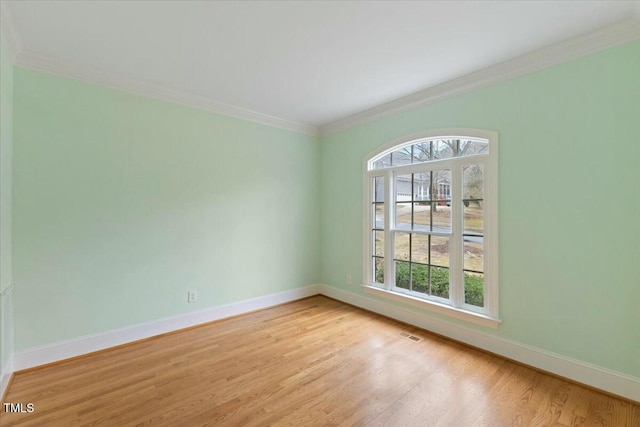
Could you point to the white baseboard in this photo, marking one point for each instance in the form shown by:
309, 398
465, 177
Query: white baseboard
6, 338
610, 381
76, 347
7, 371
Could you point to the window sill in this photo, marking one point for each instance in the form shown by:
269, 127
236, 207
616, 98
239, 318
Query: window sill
477, 318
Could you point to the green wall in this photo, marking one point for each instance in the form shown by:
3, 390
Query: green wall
6, 147
122, 204
569, 202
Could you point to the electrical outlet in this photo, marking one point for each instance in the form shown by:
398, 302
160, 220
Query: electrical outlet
348, 279
192, 296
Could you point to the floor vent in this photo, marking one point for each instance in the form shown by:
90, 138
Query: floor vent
410, 337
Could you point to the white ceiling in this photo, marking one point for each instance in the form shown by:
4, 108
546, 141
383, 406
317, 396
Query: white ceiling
310, 63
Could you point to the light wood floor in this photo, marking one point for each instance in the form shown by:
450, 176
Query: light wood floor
311, 362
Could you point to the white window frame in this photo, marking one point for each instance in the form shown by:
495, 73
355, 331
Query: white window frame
455, 306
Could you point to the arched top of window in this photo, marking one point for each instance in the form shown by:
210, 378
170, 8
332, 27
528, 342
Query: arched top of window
428, 149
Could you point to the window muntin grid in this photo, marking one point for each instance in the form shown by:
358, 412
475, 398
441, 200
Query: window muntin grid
415, 162
428, 150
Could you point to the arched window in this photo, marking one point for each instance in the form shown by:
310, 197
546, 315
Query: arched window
431, 230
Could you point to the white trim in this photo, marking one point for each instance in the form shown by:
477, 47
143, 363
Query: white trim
148, 89
444, 133
567, 50
454, 306
604, 379
6, 377
436, 307
78, 346
607, 37
36, 61
6, 336
591, 375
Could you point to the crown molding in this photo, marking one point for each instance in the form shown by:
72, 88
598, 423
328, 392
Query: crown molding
607, 37
13, 44
567, 50
41, 62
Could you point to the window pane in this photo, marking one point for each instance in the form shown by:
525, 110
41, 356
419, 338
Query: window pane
473, 219
420, 248
473, 253
422, 152
403, 188
443, 148
420, 278
403, 216
378, 272
421, 186
472, 182
422, 216
441, 214
379, 215
441, 185
383, 162
402, 246
440, 251
425, 151
474, 289
378, 189
472, 147
440, 282
401, 157
379, 242
402, 274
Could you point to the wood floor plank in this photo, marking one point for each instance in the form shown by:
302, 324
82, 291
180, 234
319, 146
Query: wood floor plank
311, 362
